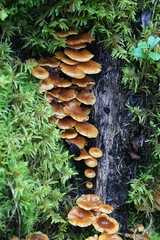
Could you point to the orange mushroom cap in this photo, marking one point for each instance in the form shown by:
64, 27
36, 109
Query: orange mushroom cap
60, 82
66, 123
89, 173
45, 85
95, 237
73, 109
106, 208
52, 62
91, 162
78, 39
81, 56
72, 71
49, 97
66, 33
86, 97
84, 82
95, 152
88, 202
83, 155
78, 46
40, 73
64, 58
86, 129
106, 236
14, 238
90, 67
89, 185
37, 236
79, 141
57, 108
103, 223
69, 133
80, 217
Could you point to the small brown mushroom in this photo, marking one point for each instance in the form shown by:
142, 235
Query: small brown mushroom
91, 162
103, 223
66, 33
78, 39
86, 97
79, 141
84, 82
83, 155
78, 46
89, 173
95, 237
57, 108
88, 202
46, 85
72, 71
90, 67
40, 73
60, 82
86, 129
106, 236
106, 208
80, 217
37, 236
66, 123
69, 133
89, 185
95, 152
80, 56
64, 58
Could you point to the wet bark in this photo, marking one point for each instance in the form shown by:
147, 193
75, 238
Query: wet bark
113, 120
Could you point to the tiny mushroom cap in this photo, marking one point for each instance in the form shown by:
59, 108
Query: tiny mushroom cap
55, 92
72, 71
143, 238
45, 85
89, 173
89, 185
91, 162
81, 56
60, 82
64, 58
80, 217
78, 46
66, 123
103, 223
138, 228
106, 236
79, 140
57, 108
106, 208
88, 202
86, 97
14, 238
90, 67
31, 60
81, 38
95, 237
64, 94
95, 152
40, 73
37, 236
73, 109
49, 97
83, 155
84, 82
52, 62
66, 33
86, 129
69, 133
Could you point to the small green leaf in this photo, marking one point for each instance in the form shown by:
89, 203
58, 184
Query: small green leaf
138, 52
143, 45
152, 41
155, 56
3, 14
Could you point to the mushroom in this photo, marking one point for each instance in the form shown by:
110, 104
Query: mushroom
106, 208
95, 237
72, 71
66, 33
90, 67
60, 82
86, 97
63, 94
106, 236
95, 152
78, 39
14, 238
45, 85
68, 133
66, 123
80, 56
91, 162
73, 109
52, 62
84, 82
86, 129
103, 223
78, 46
57, 108
80, 217
83, 155
89, 173
89, 185
37, 236
40, 73
78, 140
88, 202
64, 58
49, 97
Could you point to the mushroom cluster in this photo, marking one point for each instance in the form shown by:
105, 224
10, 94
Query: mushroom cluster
136, 233
64, 78
33, 236
90, 210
